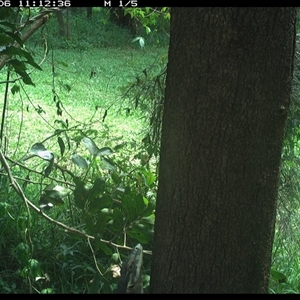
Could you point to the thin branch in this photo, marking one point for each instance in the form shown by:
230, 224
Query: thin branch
37, 21
15, 185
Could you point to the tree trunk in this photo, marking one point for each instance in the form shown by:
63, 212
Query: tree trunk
89, 13
61, 23
227, 96
68, 27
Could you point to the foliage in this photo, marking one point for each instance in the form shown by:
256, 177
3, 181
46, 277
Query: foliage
77, 175
285, 268
156, 17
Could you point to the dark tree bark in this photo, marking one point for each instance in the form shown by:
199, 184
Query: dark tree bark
64, 27
89, 12
227, 96
61, 23
117, 16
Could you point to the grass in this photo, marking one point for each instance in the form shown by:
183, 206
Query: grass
79, 94
32, 247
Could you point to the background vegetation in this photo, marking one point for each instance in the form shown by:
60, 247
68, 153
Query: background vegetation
80, 140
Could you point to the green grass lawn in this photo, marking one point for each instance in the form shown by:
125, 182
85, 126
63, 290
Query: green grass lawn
82, 97
31, 116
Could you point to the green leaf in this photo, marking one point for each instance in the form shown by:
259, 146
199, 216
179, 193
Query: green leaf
129, 207
56, 191
80, 193
140, 40
149, 209
48, 202
64, 64
90, 145
117, 222
142, 234
40, 150
80, 161
34, 268
109, 164
278, 276
62, 146
139, 204
18, 65
49, 168
98, 204
115, 177
37, 147
148, 30
103, 247
4, 41
15, 89
100, 225
104, 151
26, 78
8, 24
5, 13
98, 187
14, 36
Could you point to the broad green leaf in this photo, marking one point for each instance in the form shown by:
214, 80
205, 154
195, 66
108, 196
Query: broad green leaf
34, 268
103, 247
4, 41
139, 204
117, 222
15, 89
140, 40
45, 204
109, 164
104, 151
80, 161
37, 147
80, 193
62, 63
56, 191
115, 258
148, 211
149, 220
15, 37
18, 65
90, 145
5, 13
46, 155
278, 276
48, 202
148, 30
142, 234
62, 146
8, 24
129, 207
115, 177
49, 168
40, 150
107, 211
100, 225
100, 203
97, 189
34, 64
26, 78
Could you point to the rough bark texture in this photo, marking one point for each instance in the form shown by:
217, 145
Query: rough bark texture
227, 97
